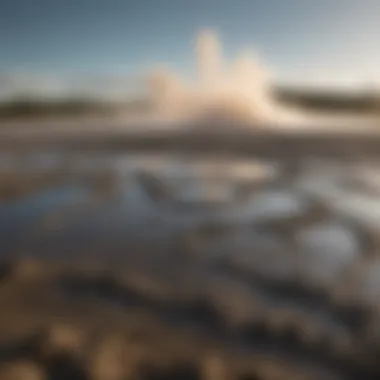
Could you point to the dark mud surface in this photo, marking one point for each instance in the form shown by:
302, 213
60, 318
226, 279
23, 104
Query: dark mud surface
205, 139
167, 266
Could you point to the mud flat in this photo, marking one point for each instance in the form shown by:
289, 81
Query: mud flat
156, 265
204, 140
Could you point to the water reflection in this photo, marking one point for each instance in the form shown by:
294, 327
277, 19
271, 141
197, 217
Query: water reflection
106, 203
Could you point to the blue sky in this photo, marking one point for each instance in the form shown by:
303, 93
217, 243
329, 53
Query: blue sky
303, 40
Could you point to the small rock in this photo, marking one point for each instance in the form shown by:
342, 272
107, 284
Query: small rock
29, 268
213, 368
64, 338
24, 370
111, 361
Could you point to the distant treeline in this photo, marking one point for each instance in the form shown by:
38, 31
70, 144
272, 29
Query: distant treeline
302, 98
34, 108
364, 102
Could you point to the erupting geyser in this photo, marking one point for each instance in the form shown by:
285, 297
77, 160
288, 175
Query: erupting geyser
241, 92
210, 59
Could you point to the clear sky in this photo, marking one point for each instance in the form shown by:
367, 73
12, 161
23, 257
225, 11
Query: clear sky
312, 40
